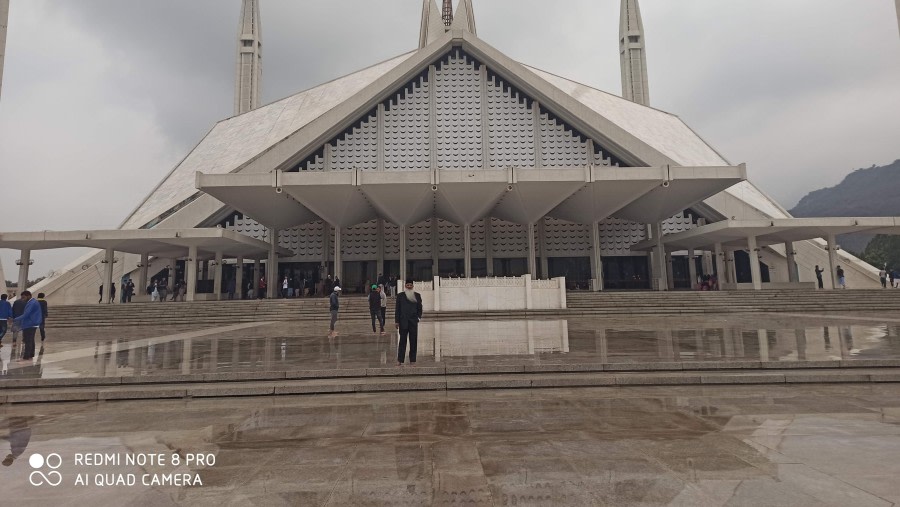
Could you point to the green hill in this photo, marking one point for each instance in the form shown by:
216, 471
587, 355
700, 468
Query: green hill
872, 192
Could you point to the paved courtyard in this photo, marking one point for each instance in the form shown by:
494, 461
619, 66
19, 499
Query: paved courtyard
794, 446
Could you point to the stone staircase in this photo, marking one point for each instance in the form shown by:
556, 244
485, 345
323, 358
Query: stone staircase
579, 304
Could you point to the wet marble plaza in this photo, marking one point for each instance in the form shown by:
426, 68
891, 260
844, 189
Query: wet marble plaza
690, 445
286, 346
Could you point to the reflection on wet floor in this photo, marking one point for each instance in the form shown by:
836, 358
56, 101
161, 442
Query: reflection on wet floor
289, 346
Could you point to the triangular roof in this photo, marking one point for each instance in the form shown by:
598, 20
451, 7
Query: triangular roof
282, 133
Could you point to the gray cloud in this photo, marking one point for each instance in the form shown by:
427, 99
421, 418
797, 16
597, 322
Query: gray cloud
102, 98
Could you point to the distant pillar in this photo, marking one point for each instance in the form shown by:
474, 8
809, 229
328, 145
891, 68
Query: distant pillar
272, 284
755, 273
338, 259
720, 263
832, 260
732, 266
257, 275
488, 247
379, 261
435, 247
542, 249
670, 272
402, 255
143, 274
239, 277
204, 270
326, 248
692, 268
532, 262
467, 245
793, 274
217, 277
3, 287
173, 268
108, 260
191, 266
24, 265
707, 262
596, 259
660, 257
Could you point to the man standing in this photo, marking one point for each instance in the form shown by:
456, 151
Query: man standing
5, 314
29, 322
101, 294
44, 313
231, 288
882, 275
407, 312
375, 308
383, 307
840, 276
112, 293
334, 307
262, 288
819, 276
18, 308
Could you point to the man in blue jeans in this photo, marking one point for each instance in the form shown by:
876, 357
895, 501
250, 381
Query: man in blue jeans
29, 322
5, 315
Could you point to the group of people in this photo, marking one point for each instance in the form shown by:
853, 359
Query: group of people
841, 279
407, 314
889, 276
26, 316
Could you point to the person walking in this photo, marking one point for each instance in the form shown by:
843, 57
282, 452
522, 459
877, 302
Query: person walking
154, 293
5, 315
383, 307
894, 277
334, 307
99, 301
29, 322
285, 287
882, 275
44, 313
130, 290
407, 313
375, 308
840, 276
112, 293
231, 288
18, 308
819, 272
262, 288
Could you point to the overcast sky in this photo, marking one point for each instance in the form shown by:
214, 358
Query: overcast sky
102, 97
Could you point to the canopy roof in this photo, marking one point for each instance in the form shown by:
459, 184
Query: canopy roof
519, 195
167, 243
734, 233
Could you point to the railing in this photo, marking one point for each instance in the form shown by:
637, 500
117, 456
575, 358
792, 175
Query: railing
544, 284
517, 281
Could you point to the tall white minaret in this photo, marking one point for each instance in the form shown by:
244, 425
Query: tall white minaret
633, 53
4, 20
248, 75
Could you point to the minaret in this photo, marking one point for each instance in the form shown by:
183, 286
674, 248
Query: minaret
4, 20
633, 53
447, 14
248, 75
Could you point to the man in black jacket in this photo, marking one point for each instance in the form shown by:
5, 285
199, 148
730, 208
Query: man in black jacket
18, 309
375, 308
44, 314
407, 312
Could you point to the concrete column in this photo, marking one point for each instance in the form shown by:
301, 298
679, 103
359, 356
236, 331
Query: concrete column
596, 259
707, 262
755, 273
191, 266
273, 287
528, 294
659, 256
326, 248
402, 256
467, 245
793, 274
436, 292
173, 265
3, 287
338, 259
732, 266
239, 277
488, 247
542, 248
379, 260
257, 274
143, 274
692, 269
217, 277
532, 262
720, 263
204, 270
435, 247
25, 264
109, 258
832, 260
670, 272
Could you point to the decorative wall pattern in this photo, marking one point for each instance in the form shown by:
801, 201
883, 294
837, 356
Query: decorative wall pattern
457, 96
357, 148
508, 239
406, 128
510, 124
450, 239
561, 146
566, 239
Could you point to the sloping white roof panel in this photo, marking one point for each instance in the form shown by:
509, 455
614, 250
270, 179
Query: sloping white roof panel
662, 131
233, 142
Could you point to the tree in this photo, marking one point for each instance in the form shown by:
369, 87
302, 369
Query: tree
883, 251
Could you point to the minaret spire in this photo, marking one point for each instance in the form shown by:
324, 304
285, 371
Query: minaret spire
633, 54
464, 18
248, 75
432, 24
4, 18
447, 14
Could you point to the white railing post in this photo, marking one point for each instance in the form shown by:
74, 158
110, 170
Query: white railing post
436, 288
528, 300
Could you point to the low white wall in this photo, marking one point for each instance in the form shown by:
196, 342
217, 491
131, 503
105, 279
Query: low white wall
492, 294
